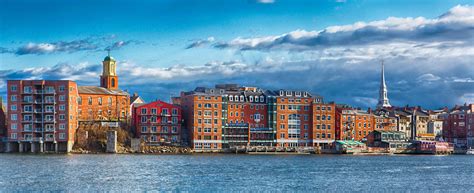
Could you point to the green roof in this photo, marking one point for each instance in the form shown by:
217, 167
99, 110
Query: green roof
349, 142
108, 58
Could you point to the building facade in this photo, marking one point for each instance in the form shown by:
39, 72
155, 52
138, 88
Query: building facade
458, 127
105, 102
158, 123
353, 124
42, 115
229, 116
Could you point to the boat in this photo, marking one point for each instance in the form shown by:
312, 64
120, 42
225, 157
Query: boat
470, 151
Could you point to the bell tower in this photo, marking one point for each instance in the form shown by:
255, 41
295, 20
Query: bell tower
109, 78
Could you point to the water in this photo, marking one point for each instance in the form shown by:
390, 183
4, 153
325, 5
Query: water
224, 173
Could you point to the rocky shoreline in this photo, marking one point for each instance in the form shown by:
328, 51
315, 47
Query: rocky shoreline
144, 150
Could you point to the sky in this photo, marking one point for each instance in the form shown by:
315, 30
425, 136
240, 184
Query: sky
332, 48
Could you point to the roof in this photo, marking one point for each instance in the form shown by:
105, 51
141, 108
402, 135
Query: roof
109, 58
349, 142
389, 132
99, 90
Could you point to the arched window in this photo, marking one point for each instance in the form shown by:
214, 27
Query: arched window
113, 82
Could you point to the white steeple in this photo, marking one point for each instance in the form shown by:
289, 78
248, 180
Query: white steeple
383, 98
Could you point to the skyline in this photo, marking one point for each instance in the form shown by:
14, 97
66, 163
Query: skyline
328, 48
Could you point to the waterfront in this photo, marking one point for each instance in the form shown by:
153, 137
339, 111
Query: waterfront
224, 172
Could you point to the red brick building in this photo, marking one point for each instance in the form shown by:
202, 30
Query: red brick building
107, 102
3, 120
353, 124
42, 115
458, 126
158, 122
229, 115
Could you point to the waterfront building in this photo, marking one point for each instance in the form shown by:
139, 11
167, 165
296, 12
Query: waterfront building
323, 127
3, 120
390, 140
204, 116
233, 116
158, 123
105, 102
458, 126
42, 115
294, 113
353, 124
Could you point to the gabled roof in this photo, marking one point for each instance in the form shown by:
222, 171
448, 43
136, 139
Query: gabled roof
99, 90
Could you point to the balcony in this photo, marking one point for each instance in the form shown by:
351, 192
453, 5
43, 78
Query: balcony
27, 101
27, 130
38, 120
38, 110
26, 120
50, 129
49, 102
49, 120
38, 129
39, 91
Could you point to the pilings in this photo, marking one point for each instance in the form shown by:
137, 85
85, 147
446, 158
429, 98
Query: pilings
112, 141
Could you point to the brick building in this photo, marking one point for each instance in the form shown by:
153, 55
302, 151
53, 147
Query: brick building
353, 124
105, 102
42, 115
229, 115
3, 120
158, 122
458, 127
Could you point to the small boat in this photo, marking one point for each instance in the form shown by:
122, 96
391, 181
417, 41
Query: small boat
470, 151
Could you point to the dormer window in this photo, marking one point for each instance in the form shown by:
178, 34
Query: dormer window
251, 98
288, 93
298, 94
242, 98
256, 99
262, 99
305, 94
281, 93
231, 98
236, 98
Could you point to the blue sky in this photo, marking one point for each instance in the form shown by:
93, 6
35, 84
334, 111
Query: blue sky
332, 48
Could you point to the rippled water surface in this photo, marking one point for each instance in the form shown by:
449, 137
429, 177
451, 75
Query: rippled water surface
221, 173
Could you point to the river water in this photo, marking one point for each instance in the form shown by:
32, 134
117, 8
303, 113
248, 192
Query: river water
224, 173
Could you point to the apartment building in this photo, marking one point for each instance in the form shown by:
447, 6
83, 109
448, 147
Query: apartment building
158, 123
42, 115
230, 115
353, 124
458, 127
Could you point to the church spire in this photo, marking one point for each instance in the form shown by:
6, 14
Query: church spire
383, 98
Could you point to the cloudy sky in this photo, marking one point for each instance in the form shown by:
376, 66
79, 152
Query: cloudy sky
332, 48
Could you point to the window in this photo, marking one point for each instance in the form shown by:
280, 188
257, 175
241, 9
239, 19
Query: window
165, 129
27, 89
13, 136
62, 98
164, 111
62, 107
328, 127
175, 129
109, 101
62, 88
329, 117
144, 111
282, 117
144, 129
62, 135
90, 100
13, 98
14, 117
143, 119
13, 88
175, 111
13, 126
61, 117
100, 100
153, 119
153, 129
13, 107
